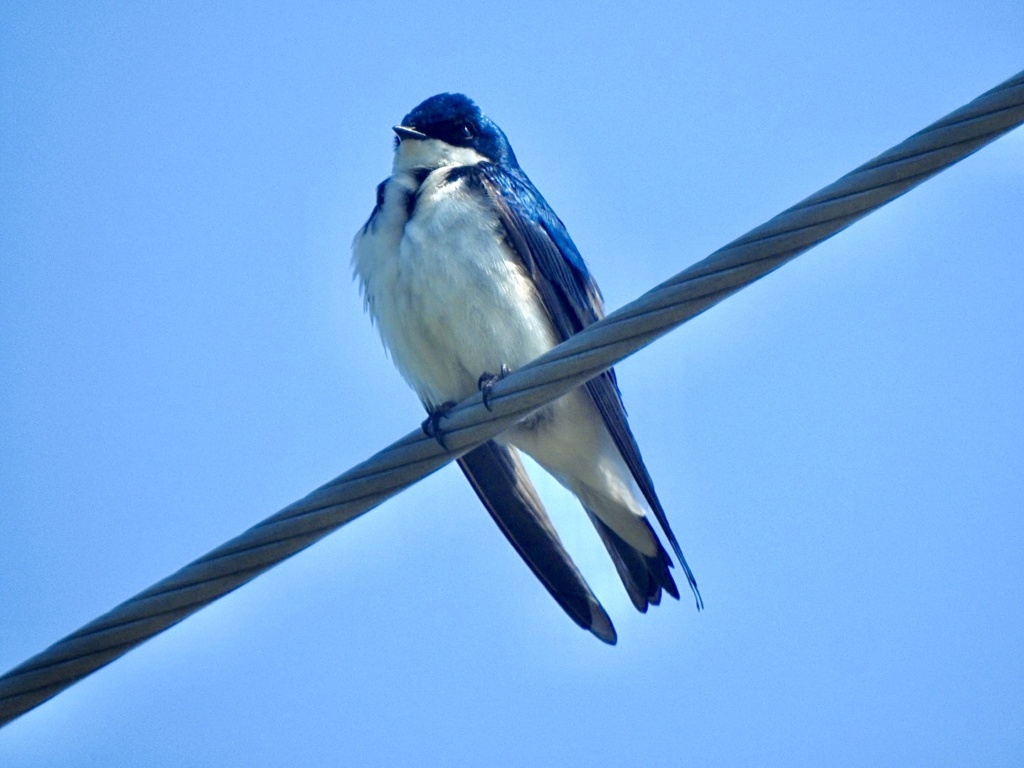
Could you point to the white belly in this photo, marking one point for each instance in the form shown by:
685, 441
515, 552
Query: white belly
451, 302
450, 299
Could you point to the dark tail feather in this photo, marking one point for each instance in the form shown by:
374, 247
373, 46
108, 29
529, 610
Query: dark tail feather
644, 577
605, 392
499, 479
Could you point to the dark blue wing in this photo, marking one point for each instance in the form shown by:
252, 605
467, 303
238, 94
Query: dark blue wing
501, 483
573, 301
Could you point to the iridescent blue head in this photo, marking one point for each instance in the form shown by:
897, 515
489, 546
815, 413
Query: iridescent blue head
455, 120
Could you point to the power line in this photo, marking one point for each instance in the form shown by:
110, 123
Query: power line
665, 307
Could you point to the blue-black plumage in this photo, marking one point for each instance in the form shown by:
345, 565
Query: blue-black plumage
467, 272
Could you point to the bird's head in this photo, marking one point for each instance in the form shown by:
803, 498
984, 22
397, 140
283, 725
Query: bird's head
449, 129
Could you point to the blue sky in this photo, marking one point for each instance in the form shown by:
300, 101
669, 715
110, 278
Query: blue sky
183, 352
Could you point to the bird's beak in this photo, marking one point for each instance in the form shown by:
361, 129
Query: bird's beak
404, 132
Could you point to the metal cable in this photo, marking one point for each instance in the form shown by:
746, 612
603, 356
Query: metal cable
581, 357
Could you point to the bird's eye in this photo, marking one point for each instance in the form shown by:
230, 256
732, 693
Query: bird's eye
466, 131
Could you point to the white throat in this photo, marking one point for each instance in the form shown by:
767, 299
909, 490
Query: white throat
432, 154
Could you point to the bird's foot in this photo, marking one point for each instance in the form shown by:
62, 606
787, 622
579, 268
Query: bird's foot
431, 426
487, 381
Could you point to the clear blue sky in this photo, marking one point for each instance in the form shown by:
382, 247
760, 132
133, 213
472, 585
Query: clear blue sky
183, 352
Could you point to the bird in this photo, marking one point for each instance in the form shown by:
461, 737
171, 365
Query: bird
467, 274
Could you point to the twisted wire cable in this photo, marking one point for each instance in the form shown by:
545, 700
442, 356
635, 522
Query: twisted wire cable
665, 307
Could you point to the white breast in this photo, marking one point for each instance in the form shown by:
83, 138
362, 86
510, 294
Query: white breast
450, 299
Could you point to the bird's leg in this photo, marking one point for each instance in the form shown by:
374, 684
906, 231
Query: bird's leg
487, 381
431, 426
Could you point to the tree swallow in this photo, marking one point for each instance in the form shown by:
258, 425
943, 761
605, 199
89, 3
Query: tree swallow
468, 273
